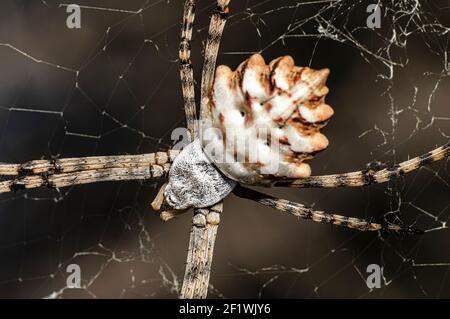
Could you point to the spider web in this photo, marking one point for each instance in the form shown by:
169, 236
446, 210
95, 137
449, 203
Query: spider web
112, 87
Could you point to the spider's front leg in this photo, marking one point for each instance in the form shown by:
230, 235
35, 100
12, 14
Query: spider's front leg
193, 182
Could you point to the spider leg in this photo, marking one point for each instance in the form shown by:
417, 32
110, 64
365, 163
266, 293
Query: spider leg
301, 211
200, 252
186, 70
77, 164
205, 221
371, 175
216, 26
159, 204
83, 170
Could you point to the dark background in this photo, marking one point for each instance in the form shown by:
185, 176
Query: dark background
112, 87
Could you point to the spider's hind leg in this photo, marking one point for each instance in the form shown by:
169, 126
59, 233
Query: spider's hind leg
304, 212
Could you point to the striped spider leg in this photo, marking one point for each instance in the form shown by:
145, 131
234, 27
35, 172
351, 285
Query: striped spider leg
304, 212
206, 220
216, 26
188, 90
371, 175
186, 69
217, 23
67, 172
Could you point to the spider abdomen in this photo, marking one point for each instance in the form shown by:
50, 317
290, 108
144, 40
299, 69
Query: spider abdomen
262, 121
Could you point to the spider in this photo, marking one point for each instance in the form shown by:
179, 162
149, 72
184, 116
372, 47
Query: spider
288, 100
303, 90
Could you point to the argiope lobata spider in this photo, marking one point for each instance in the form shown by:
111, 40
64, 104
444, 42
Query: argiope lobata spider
190, 190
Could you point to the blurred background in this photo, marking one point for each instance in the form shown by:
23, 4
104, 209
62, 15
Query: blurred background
112, 87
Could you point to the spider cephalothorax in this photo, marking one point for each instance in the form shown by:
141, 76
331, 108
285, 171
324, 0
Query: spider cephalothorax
261, 122
194, 181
